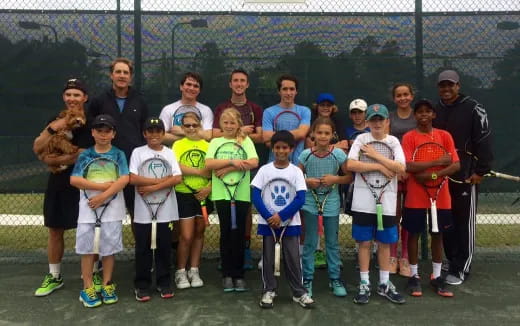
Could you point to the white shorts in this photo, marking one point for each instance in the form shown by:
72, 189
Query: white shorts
111, 241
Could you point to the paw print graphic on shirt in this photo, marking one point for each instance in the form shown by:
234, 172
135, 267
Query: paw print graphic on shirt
280, 195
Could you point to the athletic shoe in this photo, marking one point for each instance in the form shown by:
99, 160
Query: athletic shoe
388, 291
239, 285
89, 297
338, 288
414, 286
181, 279
307, 284
305, 301
363, 294
49, 285
320, 261
455, 279
165, 291
194, 278
404, 268
227, 284
97, 279
248, 260
142, 295
108, 293
393, 265
445, 267
267, 299
439, 284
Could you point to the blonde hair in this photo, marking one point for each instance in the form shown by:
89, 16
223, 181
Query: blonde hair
192, 115
315, 108
235, 115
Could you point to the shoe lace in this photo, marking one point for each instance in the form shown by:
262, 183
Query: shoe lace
91, 292
47, 280
390, 287
363, 288
337, 283
109, 289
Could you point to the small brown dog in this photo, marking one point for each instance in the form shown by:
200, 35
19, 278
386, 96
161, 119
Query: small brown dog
60, 143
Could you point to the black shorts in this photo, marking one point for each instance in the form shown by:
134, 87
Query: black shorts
414, 220
369, 219
189, 206
61, 208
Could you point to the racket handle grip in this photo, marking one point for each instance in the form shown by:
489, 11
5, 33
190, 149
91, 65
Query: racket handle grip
233, 216
97, 239
433, 214
379, 213
205, 214
320, 224
153, 238
277, 256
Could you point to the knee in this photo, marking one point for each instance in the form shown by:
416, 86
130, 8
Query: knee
56, 234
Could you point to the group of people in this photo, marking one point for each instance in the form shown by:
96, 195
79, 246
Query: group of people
120, 128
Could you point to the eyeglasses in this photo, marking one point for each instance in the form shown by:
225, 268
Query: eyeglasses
190, 125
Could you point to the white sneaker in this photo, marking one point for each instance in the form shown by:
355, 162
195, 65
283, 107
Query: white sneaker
181, 280
267, 299
194, 277
305, 301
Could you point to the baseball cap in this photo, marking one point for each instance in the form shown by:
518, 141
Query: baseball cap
104, 120
449, 75
377, 109
358, 104
153, 123
423, 102
325, 97
75, 83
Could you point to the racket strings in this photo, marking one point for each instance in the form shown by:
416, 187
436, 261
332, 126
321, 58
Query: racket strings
318, 166
287, 120
429, 152
375, 178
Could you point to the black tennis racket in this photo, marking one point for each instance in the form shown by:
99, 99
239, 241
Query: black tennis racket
276, 195
232, 151
473, 159
100, 170
375, 180
195, 158
181, 111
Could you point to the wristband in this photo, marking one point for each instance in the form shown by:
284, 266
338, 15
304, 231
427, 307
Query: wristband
51, 131
434, 176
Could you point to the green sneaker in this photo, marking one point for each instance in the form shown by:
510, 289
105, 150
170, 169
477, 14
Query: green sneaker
108, 293
320, 261
97, 279
49, 285
338, 288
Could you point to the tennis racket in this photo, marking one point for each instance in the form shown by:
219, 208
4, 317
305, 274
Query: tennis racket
195, 158
317, 165
473, 160
181, 111
232, 151
428, 152
286, 120
155, 168
276, 195
375, 180
99, 170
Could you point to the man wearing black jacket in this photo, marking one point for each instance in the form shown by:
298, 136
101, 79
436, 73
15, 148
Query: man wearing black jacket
467, 121
126, 105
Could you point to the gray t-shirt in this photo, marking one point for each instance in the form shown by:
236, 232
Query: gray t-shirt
399, 127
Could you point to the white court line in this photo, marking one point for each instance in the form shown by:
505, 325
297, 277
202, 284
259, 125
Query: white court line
15, 220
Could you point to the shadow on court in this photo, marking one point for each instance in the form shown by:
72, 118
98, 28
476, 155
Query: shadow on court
490, 297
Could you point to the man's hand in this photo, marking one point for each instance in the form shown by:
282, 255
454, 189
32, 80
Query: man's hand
474, 179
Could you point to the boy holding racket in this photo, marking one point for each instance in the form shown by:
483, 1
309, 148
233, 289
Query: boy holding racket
111, 235
278, 194
427, 171
166, 173
376, 157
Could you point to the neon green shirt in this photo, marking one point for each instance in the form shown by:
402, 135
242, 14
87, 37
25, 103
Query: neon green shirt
183, 145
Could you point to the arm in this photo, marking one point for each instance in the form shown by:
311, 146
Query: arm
291, 209
416, 167
394, 166
40, 143
256, 197
361, 167
425, 176
481, 143
166, 182
301, 132
111, 188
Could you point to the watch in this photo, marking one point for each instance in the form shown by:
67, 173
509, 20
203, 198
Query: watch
434, 176
51, 131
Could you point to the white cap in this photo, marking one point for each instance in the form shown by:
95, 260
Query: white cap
358, 104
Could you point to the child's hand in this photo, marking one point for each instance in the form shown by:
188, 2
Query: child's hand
203, 193
145, 190
223, 171
249, 129
388, 173
423, 177
274, 221
97, 201
444, 160
313, 183
370, 152
328, 180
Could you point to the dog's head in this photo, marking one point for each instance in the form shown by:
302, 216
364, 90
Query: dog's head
75, 118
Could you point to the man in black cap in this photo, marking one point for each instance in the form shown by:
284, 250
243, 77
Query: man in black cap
467, 121
60, 204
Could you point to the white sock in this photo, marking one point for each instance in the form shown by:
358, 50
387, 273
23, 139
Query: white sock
384, 276
436, 269
55, 270
414, 269
364, 277
194, 269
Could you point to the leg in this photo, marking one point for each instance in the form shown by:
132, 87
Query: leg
364, 256
268, 279
413, 248
187, 228
238, 241
383, 256
87, 263
291, 259
108, 269
162, 255
129, 195
224, 217
55, 246
143, 256
331, 226
309, 245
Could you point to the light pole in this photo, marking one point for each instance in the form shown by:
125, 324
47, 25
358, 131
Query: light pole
38, 26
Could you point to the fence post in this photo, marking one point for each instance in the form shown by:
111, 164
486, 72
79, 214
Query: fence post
137, 44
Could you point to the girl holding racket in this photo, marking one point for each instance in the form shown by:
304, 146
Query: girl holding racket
231, 157
193, 193
321, 164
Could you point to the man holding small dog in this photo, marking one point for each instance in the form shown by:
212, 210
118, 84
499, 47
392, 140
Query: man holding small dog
60, 205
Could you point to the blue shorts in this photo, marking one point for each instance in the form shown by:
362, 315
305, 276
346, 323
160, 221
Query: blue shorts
414, 220
368, 233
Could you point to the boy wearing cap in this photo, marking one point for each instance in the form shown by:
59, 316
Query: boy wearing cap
364, 225
111, 241
416, 206
154, 135
357, 110
467, 122
60, 206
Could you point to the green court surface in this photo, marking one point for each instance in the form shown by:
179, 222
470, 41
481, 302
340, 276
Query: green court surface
490, 297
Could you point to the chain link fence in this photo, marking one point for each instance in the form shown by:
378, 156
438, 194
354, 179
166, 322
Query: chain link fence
349, 48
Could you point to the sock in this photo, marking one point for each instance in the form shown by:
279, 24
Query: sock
384, 276
55, 270
364, 277
414, 269
436, 269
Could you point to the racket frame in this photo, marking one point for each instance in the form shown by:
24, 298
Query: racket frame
202, 203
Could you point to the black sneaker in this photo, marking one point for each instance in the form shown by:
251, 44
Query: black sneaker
414, 286
239, 285
388, 291
439, 285
142, 295
165, 291
363, 294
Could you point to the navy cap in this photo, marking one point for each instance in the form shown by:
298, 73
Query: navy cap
104, 120
153, 123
